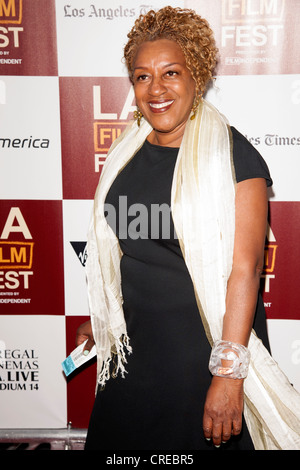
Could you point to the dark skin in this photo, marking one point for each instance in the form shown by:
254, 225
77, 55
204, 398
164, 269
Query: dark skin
165, 91
224, 402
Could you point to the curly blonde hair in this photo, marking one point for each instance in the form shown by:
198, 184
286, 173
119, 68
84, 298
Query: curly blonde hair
189, 30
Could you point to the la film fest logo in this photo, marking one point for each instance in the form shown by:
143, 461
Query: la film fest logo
109, 126
251, 26
19, 369
16, 258
10, 29
269, 262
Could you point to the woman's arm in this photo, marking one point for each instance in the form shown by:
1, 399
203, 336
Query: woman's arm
224, 402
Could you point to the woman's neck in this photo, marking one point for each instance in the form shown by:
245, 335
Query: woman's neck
166, 139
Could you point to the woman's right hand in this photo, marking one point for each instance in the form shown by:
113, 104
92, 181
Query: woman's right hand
83, 333
223, 409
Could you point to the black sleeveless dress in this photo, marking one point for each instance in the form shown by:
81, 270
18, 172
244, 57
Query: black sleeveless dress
159, 404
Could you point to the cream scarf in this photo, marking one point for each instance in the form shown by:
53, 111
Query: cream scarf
203, 184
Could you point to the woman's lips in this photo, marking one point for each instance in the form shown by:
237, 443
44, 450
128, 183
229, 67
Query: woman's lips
160, 106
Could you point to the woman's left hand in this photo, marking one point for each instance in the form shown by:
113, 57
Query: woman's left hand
223, 409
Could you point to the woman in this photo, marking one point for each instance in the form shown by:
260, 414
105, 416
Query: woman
166, 293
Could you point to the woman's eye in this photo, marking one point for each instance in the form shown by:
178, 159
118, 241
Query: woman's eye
172, 73
140, 78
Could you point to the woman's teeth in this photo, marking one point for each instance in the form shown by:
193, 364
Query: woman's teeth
161, 105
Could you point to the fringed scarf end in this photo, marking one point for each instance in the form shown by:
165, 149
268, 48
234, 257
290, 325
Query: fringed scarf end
118, 358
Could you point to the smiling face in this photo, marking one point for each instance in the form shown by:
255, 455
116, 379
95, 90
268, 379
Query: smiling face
164, 90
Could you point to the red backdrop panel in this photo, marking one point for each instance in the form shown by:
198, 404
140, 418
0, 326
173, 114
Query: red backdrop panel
31, 258
90, 122
282, 267
28, 38
81, 384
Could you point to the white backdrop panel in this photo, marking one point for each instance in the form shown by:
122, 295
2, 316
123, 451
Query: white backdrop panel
30, 164
33, 388
90, 37
284, 338
76, 217
266, 108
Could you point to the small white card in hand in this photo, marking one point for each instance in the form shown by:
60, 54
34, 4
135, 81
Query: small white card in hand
77, 359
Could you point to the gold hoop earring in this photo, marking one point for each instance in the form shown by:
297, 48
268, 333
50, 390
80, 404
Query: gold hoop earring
138, 116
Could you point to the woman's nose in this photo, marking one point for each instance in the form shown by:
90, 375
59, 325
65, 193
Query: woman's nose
156, 86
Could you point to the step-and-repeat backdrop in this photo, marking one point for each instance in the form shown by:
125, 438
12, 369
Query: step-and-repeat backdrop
64, 98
